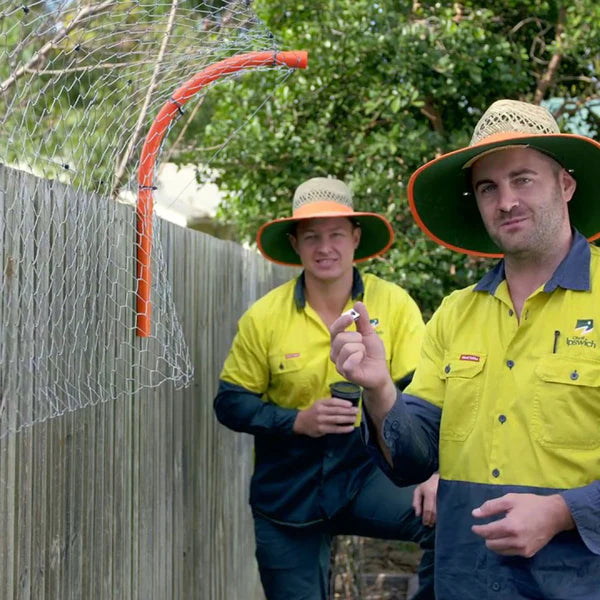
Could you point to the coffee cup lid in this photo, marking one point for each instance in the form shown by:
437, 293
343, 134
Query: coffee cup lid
345, 390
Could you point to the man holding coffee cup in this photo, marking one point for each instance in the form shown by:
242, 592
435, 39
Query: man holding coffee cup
313, 478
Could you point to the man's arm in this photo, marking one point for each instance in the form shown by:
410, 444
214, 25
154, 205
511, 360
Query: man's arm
405, 429
239, 402
242, 410
584, 507
406, 445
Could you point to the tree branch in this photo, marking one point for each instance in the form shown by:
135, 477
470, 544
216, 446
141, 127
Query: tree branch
42, 53
86, 69
550, 73
434, 116
120, 169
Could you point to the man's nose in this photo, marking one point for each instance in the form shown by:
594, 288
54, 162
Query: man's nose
507, 198
323, 243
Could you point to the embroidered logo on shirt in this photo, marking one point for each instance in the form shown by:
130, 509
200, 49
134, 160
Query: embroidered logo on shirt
471, 357
584, 326
293, 355
580, 341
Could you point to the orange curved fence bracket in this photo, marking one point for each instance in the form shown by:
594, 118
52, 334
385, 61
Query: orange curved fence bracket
145, 205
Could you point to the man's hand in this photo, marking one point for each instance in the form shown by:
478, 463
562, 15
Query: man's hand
528, 523
424, 500
359, 356
327, 415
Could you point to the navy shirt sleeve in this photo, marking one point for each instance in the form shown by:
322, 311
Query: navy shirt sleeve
243, 410
584, 504
410, 431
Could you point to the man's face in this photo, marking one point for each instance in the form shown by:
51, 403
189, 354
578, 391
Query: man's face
326, 246
522, 196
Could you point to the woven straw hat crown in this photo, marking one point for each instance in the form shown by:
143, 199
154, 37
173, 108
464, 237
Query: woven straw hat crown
320, 189
510, 116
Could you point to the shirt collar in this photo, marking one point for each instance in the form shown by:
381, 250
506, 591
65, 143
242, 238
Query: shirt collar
573, 273
358, 289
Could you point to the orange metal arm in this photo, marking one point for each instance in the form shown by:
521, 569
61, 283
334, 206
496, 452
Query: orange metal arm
145, 206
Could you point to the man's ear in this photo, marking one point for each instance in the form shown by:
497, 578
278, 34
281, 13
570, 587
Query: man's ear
568, 185
293, 242
356, 233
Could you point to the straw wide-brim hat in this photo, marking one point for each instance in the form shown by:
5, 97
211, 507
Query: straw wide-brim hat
322, 198
440, 193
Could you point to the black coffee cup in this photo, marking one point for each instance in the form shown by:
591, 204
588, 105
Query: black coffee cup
346, 391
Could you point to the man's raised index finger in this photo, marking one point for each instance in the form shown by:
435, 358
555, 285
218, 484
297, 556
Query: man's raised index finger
363, 324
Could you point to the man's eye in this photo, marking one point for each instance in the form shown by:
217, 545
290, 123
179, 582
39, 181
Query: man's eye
486, 189
523, 180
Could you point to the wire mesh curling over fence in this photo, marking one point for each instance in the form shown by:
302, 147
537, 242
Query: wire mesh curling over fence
80, 85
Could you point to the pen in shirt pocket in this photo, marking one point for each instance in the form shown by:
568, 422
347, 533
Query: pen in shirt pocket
556, 336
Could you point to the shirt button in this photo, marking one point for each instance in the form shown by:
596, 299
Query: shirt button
496, 586
574, 375
510, 312
447, 368
510, 364
395, 425
496, 473
502, 419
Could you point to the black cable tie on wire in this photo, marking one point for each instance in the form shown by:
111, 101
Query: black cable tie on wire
147, 187
178, 105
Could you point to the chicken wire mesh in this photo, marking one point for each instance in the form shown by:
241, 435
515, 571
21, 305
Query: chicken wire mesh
80, 85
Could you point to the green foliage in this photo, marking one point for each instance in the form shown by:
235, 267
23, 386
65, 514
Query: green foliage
68, 92
389, 86
80, 82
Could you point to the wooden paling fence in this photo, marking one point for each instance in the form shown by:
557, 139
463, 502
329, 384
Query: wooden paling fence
143, 497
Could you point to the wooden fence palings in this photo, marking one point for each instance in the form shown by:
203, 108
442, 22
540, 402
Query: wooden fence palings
144, 497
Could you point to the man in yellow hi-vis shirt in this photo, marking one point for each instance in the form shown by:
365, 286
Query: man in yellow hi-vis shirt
506, 395
313, 478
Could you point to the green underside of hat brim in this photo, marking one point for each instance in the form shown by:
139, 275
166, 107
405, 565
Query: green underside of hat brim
375, 238
452, 218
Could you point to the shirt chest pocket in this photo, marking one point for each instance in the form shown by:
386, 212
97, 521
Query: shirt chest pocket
566, 403
290, 381
463, 376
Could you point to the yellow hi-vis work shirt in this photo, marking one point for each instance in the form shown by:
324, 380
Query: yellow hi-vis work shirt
517, 408
280, 357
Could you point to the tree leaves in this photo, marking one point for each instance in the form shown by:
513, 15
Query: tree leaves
389, 86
